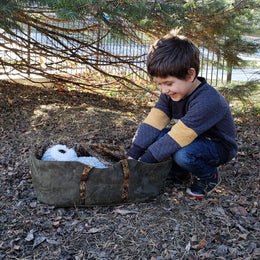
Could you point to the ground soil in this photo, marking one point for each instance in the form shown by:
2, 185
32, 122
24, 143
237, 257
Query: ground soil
171, 226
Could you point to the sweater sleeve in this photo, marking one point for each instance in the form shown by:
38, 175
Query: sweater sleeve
148, 131
203, 113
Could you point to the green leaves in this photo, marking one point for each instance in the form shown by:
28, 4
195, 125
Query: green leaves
7, 8
217, 25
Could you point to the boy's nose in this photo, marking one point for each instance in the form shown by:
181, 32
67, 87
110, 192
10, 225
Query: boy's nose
164, 90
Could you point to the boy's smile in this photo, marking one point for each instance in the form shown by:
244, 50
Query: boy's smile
175, 88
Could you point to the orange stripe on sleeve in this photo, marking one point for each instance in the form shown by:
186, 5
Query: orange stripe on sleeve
182, 134
157, 119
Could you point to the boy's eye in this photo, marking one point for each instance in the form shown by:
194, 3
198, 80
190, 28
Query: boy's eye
168, 84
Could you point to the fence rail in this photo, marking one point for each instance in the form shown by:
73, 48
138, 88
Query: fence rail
100, 50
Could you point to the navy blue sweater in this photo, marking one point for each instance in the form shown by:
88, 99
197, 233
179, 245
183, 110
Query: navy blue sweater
203, 112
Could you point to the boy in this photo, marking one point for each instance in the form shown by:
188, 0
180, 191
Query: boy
203, 136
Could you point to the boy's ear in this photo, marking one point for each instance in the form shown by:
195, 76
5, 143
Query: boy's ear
192, 74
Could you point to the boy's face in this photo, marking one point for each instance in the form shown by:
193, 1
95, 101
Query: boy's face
175, 88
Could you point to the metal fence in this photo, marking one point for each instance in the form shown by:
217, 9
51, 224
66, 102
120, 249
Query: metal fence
118, 55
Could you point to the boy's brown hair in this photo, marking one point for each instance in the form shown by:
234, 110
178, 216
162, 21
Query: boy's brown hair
172, 55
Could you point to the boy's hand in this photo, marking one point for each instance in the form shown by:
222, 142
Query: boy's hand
135, 152
148, 157
131, 158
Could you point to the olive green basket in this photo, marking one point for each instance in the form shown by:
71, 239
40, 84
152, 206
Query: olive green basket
72, 183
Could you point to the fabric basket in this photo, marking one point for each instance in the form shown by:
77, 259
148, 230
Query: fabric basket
72, 183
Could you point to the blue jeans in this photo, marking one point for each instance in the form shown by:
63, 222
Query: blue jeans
199, 157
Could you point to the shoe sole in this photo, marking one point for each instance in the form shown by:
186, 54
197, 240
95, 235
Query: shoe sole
199, 196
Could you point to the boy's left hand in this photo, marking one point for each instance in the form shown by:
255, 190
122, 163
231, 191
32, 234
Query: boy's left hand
148, 157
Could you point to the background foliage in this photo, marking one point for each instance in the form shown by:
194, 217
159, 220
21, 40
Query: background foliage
219, 26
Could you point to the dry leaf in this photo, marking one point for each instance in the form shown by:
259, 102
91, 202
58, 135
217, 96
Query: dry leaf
187, 248
239, 211
38, 241
16, 247
243, 236
10, 101
200, 245
125, 211
95, 230
30, 236
56, 223
42, 61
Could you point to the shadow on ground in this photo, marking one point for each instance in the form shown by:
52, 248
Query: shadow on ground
173, 226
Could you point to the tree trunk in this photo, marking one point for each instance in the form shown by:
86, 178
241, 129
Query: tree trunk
229, 71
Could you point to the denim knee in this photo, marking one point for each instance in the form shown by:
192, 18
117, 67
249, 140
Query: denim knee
182, 158
200, 162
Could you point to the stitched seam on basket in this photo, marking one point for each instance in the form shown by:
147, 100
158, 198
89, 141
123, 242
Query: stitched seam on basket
82, 186
126, 181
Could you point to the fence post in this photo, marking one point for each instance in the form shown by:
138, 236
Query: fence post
29, 51
98, 46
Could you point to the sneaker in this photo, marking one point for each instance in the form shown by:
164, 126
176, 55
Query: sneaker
202, 188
